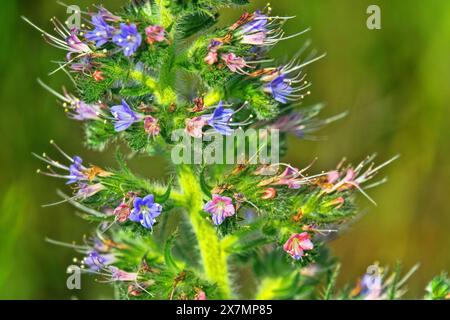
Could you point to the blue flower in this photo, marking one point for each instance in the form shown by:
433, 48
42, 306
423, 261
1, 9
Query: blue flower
371, 286
96, 261
145, 211
220, 120
102, 32
258, 24
124, 117
128, 38
279, 88
76, 171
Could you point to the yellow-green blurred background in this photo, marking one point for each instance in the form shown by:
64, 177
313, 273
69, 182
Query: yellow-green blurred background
394, 81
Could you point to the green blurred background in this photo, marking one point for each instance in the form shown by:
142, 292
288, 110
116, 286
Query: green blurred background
394, 82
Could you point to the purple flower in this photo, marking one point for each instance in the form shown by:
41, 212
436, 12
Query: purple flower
128, 38
76, 171
214, 45
264, 30
220, 208
76, 45
102, 31
220, 119
145, 211
76, 109
66, 39
292, 122
84, 64
96, 261
371, 286
124, 117
258, 24
279, 88
84, 112
255, 31
106, 15
88, 190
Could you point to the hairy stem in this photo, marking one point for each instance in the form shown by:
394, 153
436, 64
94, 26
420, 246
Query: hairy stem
214, 258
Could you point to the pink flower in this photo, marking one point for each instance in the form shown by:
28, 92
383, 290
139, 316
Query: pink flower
257, 38
98, 76
122, 212
220, 208
297, 244
120, 275
333, 176
337, 203
350, 176
212, 55
201, 295
211, 58
155, 34
86, 191
290, 177
151, 126
194, 127
269, 193
234, 63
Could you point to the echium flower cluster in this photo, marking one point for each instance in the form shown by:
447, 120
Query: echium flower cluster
156, 67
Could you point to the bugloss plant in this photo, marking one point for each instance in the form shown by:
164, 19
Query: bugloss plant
161, 66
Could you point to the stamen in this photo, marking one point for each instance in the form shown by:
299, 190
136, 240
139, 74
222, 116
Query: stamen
61, 151
68, 245
54, 92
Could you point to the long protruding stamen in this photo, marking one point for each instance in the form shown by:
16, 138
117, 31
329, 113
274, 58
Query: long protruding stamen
384, 164
67, 63
306, 63
43, 32
61, 28
376, 184
79, 205
68, 245
67, 6
363, 192
294, 35
59, 202
60, 150
63, 68
48, 160
52, 91
59, 176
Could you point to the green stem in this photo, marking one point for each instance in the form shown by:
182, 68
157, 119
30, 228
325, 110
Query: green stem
214, 258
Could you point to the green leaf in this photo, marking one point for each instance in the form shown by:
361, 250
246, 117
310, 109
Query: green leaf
168, 258
329, 291
164, 197
195, 22
392, 290
438, 288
